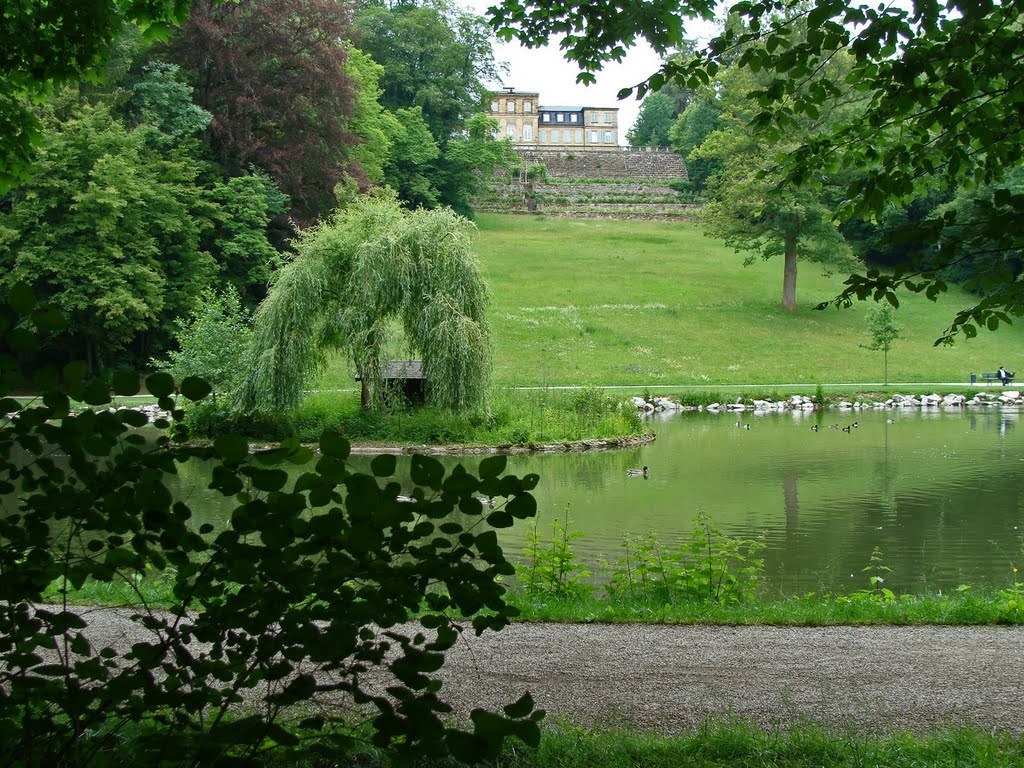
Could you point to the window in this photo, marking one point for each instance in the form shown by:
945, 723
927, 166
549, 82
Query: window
560, 117
543, 136
593, 117
527, 106
494, 106
511, 128
608, 137
510, 106
565, 136
572, 118
594, 137
578, 138
545, 118
528, 132
608, 118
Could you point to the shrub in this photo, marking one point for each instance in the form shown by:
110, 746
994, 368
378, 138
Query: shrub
212, 342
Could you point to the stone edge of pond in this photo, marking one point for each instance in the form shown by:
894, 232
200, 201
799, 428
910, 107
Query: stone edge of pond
574, 446
596, 444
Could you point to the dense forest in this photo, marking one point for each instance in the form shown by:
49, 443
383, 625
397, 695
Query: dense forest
193, 159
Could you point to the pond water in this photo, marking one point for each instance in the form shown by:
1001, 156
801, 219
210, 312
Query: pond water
939, 493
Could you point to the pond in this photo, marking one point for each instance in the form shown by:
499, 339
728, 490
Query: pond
940, 493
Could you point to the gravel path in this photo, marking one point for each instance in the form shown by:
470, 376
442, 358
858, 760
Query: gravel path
670, 678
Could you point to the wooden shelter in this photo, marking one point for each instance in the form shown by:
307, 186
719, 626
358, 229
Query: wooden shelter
405, 376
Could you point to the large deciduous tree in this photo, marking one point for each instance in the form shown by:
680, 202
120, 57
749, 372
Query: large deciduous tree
755, 209
942, 80
435, 57
373, 263
273, 75
46, 43
107, 231
653, 123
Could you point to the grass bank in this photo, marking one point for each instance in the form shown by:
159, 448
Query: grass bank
605, 302
530, 417
735, 743
865, 607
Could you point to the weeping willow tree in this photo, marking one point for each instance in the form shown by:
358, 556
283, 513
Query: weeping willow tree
354, 275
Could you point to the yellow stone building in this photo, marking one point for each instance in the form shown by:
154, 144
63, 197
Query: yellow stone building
522, 119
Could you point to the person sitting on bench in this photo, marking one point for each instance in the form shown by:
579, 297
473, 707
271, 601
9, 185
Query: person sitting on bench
1004, 375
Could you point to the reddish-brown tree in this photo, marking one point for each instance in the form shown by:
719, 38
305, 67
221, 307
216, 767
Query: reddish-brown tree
272, 73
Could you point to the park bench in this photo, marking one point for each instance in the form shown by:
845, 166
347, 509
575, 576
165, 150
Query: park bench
994, 376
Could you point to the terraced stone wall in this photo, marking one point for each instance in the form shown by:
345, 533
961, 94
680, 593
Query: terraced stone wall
633, 163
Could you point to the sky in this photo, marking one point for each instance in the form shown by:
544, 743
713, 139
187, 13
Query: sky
546, 72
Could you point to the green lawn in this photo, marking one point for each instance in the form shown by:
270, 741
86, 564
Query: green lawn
597, 302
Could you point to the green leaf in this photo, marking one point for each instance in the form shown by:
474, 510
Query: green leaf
132, 418
49, 319
427, 471
21, 298
195, 388
160, 384
232, 448
500, 519
333, 444
125, 383
522, 506
493, 466
269, 479
521, 708
383, 465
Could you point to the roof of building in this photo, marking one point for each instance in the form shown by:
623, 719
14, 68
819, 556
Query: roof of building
402, 369
399, 369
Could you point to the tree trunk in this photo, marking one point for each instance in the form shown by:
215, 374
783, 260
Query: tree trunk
789, 274
364, 394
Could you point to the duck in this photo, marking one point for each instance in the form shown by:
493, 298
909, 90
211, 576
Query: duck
890, 421
485, 501
637, 472
847, 429
814, 428
833, 426
405, 499
855, 425
746, 426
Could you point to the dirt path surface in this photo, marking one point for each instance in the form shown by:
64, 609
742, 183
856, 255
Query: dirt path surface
670, 678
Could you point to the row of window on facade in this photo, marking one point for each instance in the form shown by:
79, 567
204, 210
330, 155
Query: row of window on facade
560, 137
510, 106
573, 117
556, 117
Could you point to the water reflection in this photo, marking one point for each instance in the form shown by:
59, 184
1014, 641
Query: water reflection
939, 493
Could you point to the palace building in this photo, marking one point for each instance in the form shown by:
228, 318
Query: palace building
522, 119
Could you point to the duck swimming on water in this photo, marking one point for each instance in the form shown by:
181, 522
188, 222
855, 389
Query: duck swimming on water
637, 472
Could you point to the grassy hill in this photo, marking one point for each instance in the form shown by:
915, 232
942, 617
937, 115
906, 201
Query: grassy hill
578, 302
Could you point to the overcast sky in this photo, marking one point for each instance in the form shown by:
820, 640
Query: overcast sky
545, 71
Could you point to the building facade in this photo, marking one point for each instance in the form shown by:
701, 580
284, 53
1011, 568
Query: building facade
522, 119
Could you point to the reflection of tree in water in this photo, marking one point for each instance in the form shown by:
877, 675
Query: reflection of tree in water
792, 505
589, 470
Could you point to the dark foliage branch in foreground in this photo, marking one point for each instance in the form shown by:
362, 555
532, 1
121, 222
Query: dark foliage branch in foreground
280, 615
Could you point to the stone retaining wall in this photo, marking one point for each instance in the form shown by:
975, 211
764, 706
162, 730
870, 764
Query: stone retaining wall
635, 164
